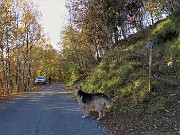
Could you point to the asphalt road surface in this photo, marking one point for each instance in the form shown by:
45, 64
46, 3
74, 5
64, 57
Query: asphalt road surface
47, 111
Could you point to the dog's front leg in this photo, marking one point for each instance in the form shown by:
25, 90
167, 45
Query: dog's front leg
84, 112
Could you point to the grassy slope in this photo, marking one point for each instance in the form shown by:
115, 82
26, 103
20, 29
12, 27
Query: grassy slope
123, 74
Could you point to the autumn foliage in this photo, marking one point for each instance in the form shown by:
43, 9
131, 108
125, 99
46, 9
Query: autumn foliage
25, 50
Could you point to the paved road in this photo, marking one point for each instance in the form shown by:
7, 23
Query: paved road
47, 111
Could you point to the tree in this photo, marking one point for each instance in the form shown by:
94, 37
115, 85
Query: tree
23, 47
77, 58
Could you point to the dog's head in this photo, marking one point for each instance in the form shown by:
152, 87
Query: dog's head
78, 88
78, 91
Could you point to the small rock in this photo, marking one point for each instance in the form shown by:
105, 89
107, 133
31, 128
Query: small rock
167, 111
155, 126
177, 130
173, 94
178, 103
131, 129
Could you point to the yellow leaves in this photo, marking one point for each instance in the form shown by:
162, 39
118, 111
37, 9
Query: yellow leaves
3, 14
28, 18
150, 6
7, 3
138, 83
155, 6
19, 31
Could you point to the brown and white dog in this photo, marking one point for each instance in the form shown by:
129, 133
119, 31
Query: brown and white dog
93, 100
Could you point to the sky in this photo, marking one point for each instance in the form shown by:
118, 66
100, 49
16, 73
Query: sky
54, 17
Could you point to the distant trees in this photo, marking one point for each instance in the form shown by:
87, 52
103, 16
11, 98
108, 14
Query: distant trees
77, 57
25, 52
99, 25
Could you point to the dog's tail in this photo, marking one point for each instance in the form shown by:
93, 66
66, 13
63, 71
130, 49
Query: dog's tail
109, 101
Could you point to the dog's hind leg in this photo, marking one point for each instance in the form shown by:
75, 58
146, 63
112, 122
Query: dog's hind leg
100, 114
104, 112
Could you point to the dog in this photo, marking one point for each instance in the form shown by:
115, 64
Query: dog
93, 100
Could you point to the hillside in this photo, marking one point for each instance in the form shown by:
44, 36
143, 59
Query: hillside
124, 74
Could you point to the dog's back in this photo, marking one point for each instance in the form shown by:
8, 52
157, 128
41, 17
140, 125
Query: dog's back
91, 100
101, 100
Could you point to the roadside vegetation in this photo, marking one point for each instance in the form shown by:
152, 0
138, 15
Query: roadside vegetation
121, 70
123, 74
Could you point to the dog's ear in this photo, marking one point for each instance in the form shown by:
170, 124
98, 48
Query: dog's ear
80, 88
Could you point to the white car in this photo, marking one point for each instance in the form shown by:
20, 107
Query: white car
40, 80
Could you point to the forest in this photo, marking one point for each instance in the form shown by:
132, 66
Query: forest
104, 50
25, 49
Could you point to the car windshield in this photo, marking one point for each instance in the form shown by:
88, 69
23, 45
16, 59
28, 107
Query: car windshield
40, 77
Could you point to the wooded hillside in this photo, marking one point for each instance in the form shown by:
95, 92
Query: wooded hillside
98, 26
105, 50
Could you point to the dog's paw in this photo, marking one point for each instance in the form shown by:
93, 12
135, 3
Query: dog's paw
84, 116
98, 119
